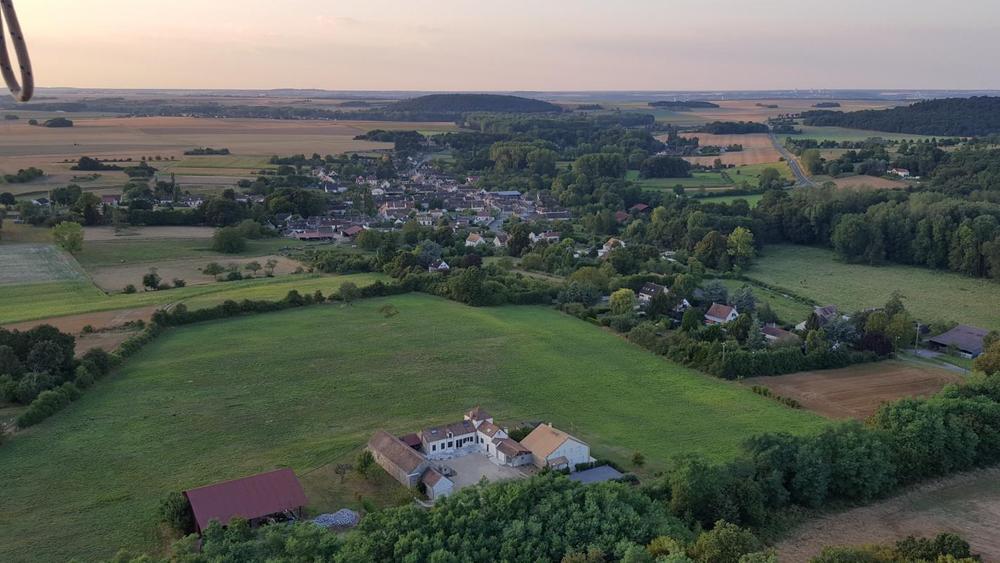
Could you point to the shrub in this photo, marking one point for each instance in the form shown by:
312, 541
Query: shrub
100, 359
179, 282
8, 388
48, 403
129, 289
84, 377
229, 240
33, 384
175, 511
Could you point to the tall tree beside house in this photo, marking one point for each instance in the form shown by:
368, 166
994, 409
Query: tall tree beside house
623, 301
69, 236
739, 244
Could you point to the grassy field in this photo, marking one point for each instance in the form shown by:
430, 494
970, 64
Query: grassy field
697, 180
28, 302
306, 389
98, 254
36, 263
788, 310
931, 294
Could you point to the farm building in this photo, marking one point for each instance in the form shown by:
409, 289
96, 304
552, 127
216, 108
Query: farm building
435, 484
474, 239
649, 290
773, 333
256, 498
719, 314
404, 463
968, 340
551, 447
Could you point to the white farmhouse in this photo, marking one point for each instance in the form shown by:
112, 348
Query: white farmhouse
556, 449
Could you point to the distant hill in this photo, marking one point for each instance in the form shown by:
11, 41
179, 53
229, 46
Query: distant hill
690, 104
463, 103
950, 117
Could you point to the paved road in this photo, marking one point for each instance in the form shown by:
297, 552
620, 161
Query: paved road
800, 177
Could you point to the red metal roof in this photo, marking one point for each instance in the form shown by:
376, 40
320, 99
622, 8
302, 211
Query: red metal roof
250, 497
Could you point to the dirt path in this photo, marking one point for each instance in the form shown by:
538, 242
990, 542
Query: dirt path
967, 504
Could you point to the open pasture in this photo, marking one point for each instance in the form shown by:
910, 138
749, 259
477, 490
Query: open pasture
931, 295
757, 149
114, 278
860, 181
306, 388
35, 263
132, 234
857, 391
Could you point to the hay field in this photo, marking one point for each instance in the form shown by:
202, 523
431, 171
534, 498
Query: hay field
23, 145
146, 233
857, 391
36, 263
966, 504
860, 181
757, 149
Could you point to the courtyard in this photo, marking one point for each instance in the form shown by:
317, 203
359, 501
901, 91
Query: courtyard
469, 469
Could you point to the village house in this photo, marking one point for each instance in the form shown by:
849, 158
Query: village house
555, 449
901, 172
824, 315
474, 240
550, 237
774, 333
612, 244
501, 240
649, 290
438, 266
719, 314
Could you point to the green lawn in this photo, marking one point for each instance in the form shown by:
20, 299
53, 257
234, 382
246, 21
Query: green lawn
97, 254
43, 300
931, 294
306, 388
788, 310
697, 180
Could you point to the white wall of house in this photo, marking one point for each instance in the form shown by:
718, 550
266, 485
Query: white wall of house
448, 447
575, 452
443, 487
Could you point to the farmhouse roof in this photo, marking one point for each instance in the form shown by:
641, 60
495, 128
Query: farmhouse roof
776, 332
445, 431
651, 289
826, 313
545, 439
512, 448
964, 337
621, 216
249, 497
431, 477
719, 311
478, 413
351, 231
489, 428
410, 439
395, 451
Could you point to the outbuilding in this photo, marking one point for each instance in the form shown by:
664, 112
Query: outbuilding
256, 498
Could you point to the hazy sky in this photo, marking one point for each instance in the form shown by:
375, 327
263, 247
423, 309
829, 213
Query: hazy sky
514, 44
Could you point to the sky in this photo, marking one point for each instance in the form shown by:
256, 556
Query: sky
542, 45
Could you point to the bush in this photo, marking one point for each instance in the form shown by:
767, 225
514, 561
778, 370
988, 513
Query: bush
100, 360
48, 403
175, 511
129, 289
84, 377
179, 282
229, 240
32, 385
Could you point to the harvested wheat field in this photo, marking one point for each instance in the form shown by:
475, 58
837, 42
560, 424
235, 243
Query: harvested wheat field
757, 149
857, 391
967, 504
875, 182
113, 278
73, 324
22, 145
146, 233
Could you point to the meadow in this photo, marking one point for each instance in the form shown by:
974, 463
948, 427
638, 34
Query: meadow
846, 134
98, 254
712, 180
931, 295
788, 310
306, 388
29, 302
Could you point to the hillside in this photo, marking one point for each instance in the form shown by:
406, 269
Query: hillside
461, 103
959, 117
